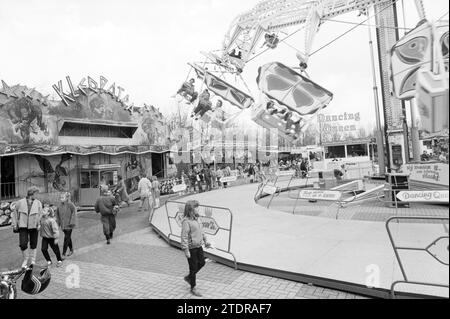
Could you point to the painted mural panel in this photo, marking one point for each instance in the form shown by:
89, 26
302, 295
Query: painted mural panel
24, 117
52, 175
30, 122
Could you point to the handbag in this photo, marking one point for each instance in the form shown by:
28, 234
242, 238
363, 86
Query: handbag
16, 229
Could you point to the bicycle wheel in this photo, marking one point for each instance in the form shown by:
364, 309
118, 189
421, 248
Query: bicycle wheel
12, 292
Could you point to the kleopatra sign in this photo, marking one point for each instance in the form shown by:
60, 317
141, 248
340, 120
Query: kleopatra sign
320, 195
424, 196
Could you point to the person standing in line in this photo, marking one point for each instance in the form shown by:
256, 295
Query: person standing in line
201, 180
251, 173
66, 217
213, 174
185, 180
193, 178
26, 221
50, 235
107, 207
156, 191
207, 176
121, 190
145, 191
192, 240
219, 175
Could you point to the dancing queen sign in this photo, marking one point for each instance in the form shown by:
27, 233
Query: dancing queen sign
345, 122
209, 224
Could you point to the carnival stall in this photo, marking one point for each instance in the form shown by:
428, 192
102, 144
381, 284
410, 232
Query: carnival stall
58, 145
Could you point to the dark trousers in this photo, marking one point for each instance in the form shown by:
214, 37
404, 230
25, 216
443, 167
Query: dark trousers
28, 236
109, 225
196, 262
67, 240
55, 248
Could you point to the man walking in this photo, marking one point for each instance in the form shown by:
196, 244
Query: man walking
145, 191
107, 207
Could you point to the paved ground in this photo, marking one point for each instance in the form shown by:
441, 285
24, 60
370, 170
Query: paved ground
139, 264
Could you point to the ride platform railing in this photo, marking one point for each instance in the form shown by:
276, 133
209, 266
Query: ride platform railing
217, 224
441, 259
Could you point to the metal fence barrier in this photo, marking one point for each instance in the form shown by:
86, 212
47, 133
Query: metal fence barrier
205, 219
425, 249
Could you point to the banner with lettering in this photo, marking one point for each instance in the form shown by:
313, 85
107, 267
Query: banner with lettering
216, 223
433, 173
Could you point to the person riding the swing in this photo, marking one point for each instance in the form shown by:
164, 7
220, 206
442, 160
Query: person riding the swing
271, 40
293, 127
271, 109
219, 112
235, 55
204, 105
188, 89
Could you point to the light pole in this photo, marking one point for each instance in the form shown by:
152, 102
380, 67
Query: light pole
379, 133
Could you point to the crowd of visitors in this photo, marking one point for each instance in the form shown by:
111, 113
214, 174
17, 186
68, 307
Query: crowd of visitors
436, 156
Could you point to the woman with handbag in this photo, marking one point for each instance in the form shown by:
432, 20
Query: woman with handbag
26, 222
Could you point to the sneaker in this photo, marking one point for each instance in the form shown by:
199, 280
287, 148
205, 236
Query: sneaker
108, 242
59, 264
196, 293
70, 253
49, 263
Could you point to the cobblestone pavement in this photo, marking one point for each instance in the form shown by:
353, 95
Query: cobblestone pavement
140, 265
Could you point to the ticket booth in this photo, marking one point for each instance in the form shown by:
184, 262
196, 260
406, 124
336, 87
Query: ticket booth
92, 177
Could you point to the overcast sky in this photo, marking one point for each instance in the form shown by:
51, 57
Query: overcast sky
144, 46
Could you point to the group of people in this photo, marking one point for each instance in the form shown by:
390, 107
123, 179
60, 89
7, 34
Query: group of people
301, 165
204, 179
205, 104
435, 156
32, 218
293, 120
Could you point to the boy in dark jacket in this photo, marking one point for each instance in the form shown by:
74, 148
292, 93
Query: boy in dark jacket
108, 207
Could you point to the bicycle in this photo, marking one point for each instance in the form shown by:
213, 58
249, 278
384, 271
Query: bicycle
30, 284
8, 282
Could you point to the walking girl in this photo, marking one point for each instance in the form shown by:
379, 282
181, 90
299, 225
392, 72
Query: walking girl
50, 235
192, 240
66, 217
